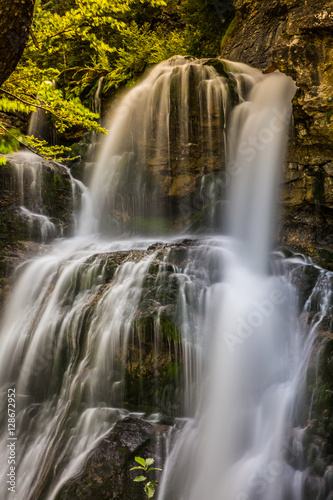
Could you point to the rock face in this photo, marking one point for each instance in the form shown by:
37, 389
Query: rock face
318, 438
297, 39
151, 363
152, 366
107, 473
314, 418
41, 187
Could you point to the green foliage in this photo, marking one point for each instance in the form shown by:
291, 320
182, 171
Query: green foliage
145, 466
12, 139
9, 142
42, 148
209, 27
232, 28
14, 106
87, 39
76, 42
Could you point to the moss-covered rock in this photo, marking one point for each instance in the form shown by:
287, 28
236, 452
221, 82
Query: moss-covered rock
42, 187
151, 362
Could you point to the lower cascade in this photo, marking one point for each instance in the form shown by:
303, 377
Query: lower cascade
203, 341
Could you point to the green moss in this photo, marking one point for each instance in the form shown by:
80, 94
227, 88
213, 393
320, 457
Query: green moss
328, 116
326, 365
148, 226
122, 449
218, 65
319, 188
172, 373
287, 36
232, 28
169, 330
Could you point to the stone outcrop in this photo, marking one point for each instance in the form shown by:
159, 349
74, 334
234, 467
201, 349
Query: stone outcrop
40, 186
107, 472
297, 39
318, 438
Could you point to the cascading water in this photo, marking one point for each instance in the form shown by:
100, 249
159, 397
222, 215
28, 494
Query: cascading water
40, 124
156, 129
29, 190
223, 329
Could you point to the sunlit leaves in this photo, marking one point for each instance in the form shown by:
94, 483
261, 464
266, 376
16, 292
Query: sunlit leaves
9, 142
58, 153
14, 106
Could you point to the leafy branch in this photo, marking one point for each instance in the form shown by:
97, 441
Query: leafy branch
12, 139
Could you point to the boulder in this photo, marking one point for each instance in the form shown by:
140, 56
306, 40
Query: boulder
107, 471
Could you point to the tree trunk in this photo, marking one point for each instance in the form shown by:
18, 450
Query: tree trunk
15, 21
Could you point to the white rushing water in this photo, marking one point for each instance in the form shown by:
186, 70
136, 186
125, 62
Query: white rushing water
134, 171
242, 422
72, 315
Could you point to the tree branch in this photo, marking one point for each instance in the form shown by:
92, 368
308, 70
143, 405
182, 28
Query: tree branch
34, 39
40, 106
20, 142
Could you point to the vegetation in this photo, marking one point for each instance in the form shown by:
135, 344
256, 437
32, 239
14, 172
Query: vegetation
146, 467
76, 42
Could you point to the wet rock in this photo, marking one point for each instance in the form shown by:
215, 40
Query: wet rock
41, 187
318, 438
45, 189
107, 471
304, 279
12, 254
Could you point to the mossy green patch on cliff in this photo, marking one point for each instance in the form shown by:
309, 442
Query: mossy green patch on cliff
286, 36
149, 226
168, 329
218, 65
57, 194
232, 29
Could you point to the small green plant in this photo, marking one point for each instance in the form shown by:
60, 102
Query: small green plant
145, 466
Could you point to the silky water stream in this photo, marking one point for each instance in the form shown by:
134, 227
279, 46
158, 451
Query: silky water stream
241, 350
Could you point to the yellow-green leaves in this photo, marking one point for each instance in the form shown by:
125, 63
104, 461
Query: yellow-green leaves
145, 465
14, 106
9, 142
42, 148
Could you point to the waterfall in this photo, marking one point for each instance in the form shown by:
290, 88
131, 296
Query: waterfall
28, 169
40, 124
157, 128
203, 329
254, 368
